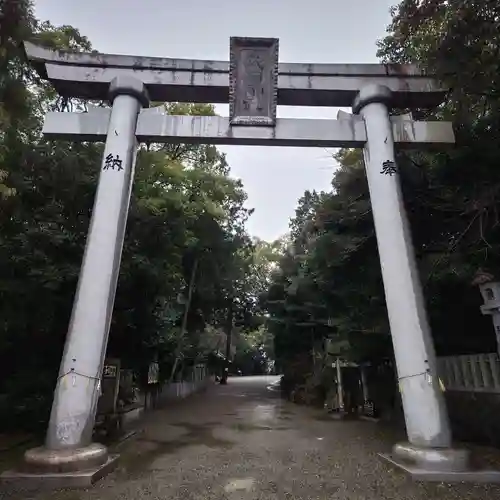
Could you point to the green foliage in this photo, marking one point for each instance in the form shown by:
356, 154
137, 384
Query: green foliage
331, 269
254, 350
452, 197
185, 235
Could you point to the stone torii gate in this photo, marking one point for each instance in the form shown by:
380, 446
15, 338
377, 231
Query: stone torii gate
254, 84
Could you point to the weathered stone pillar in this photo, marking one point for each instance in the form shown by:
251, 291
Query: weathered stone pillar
423, 402
68, 445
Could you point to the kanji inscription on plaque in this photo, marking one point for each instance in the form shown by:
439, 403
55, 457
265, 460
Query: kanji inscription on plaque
253, 81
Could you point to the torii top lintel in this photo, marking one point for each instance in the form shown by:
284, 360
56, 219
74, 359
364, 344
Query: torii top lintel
87, 75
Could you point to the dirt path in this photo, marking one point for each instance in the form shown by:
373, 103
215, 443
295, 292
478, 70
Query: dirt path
241, 441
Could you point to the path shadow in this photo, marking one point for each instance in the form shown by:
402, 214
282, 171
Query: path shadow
144, 450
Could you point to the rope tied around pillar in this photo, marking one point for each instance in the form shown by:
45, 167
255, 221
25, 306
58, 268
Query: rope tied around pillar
429, 378
73, 372
427, 372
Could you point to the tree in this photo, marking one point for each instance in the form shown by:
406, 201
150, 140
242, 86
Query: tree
452, 195
451, 199
185, 250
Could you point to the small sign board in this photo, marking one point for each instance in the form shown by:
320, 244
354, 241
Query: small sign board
335, 347
110, 385
253, 81
109, 371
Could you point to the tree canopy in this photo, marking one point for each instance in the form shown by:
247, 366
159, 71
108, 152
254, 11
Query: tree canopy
188, 263
186, 255
329, 282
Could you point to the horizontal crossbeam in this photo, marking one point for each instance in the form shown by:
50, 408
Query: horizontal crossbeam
87, 76
41, 55
162, 128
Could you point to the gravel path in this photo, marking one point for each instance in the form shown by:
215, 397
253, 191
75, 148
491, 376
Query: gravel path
241, 441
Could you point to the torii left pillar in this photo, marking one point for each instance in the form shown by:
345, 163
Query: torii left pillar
69, 458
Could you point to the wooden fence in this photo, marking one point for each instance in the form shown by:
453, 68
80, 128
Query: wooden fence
470, 373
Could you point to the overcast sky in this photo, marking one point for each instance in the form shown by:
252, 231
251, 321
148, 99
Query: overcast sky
315, 31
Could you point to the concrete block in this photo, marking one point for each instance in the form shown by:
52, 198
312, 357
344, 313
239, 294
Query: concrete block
19, 480
418, 473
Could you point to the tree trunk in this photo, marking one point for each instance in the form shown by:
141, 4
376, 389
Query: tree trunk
184, 320
229, 329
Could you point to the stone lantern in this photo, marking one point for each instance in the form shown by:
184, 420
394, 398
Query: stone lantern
490, 291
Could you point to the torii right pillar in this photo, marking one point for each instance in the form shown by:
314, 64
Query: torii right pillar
428, 455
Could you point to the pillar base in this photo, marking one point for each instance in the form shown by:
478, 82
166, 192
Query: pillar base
447, 465
41, 460
19, 480
76, 468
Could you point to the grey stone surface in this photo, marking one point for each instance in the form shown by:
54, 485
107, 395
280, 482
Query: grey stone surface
40, 55
88, 75
241, 441
293, 90
24, 481
253, 81
159, 127
428, 474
